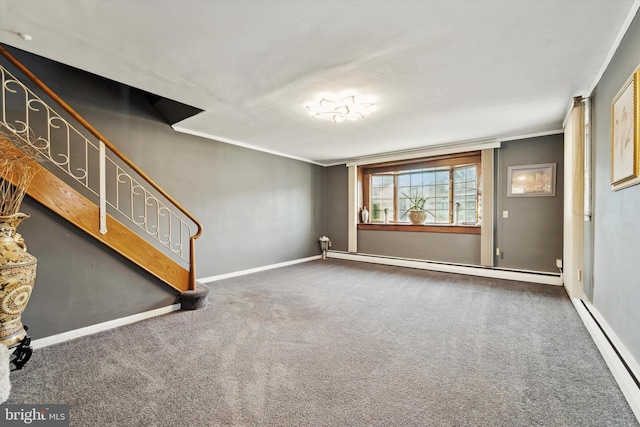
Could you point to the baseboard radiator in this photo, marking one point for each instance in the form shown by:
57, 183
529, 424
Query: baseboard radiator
621, 363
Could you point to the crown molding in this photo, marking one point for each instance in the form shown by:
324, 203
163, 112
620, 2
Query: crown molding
633, 11
242, 144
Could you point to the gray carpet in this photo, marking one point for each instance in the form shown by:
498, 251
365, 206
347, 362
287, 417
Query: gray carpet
338, 343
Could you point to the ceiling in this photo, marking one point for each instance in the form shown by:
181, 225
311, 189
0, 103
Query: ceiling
441, 72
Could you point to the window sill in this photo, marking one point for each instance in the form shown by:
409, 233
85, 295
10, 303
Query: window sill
426, 228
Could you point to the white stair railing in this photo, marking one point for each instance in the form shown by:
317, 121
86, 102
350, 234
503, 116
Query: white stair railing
91, 163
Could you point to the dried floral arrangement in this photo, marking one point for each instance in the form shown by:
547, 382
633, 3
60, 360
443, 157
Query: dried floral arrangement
17, 168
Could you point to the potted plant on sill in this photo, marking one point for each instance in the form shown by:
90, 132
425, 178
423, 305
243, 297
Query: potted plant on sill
416, 211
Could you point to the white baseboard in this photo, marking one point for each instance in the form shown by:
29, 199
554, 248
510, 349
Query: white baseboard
521, 276
617, 343
257, 269
104, 326
623, 378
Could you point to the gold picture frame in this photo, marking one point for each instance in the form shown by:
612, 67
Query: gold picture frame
537, 180
625, 134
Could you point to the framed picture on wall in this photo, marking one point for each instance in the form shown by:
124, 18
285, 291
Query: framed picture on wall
625, 120
531, 180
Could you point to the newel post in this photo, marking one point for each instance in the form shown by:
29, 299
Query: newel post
196, 297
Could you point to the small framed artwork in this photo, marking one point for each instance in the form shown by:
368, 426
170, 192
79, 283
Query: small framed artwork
625, 121
531, 180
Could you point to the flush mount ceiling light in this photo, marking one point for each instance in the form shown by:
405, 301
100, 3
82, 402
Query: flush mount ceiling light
340, 108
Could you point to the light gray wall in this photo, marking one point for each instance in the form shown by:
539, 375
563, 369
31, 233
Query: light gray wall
338, 207
616, 270
531, 237
256, 209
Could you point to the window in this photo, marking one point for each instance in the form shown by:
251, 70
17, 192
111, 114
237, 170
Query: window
449, 184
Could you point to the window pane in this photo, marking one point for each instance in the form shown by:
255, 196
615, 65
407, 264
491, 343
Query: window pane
442, 177
387, 192
442, 217
431, 183
471, 174
403, 205
471, 217
430, 191
442, 206
442, 190
465, 193
403, 190
382, 196
423, 183
441, 186
429, 178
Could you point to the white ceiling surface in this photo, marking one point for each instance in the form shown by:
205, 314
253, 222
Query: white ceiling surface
442, 71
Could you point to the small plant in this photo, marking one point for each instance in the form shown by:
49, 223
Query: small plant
416, 203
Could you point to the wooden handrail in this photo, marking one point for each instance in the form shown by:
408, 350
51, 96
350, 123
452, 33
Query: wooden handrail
58, 196
94, 132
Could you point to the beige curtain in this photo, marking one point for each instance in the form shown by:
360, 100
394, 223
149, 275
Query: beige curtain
577, 120
573, 246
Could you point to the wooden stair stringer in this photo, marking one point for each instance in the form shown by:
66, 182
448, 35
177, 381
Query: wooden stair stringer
59, 197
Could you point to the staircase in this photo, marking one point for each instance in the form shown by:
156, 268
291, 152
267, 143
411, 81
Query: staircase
85, 179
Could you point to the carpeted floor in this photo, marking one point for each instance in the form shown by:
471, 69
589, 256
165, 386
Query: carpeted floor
338, 343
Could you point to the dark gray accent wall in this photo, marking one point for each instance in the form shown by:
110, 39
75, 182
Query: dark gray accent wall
443, 247
616, 270
338, 207
531, 237
257, 209
79, 281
